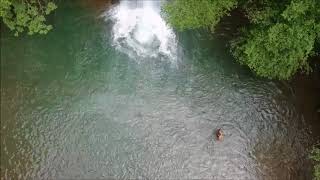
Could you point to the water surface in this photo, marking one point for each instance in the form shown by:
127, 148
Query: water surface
118, 94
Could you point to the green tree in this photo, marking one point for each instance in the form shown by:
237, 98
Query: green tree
26, 15
191, 14
277, 43
315, 156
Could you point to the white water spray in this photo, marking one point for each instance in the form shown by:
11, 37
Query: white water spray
140, 31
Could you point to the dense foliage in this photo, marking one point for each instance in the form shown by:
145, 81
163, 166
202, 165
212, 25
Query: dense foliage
315, 155
278, 41
26, 15
191, 14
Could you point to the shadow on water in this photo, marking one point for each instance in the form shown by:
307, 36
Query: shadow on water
74, 105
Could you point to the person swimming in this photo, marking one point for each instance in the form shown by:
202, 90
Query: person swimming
219, 134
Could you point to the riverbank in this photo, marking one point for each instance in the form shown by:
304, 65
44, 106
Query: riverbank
305, 87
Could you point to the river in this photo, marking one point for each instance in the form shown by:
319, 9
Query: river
116, 93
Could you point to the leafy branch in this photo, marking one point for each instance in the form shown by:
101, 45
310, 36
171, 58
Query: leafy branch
26, 15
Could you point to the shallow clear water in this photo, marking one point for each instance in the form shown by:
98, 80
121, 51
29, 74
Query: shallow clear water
103, 96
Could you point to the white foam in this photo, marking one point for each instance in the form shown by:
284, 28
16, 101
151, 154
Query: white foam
140, 31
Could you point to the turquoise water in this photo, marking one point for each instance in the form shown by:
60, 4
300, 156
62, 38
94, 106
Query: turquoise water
118, 94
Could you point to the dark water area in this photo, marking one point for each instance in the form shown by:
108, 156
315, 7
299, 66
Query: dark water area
117, 94
306, 90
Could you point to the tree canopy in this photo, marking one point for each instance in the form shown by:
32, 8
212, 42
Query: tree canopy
278, 41
26, 15
191, 14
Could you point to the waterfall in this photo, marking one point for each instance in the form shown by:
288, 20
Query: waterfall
140, 31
